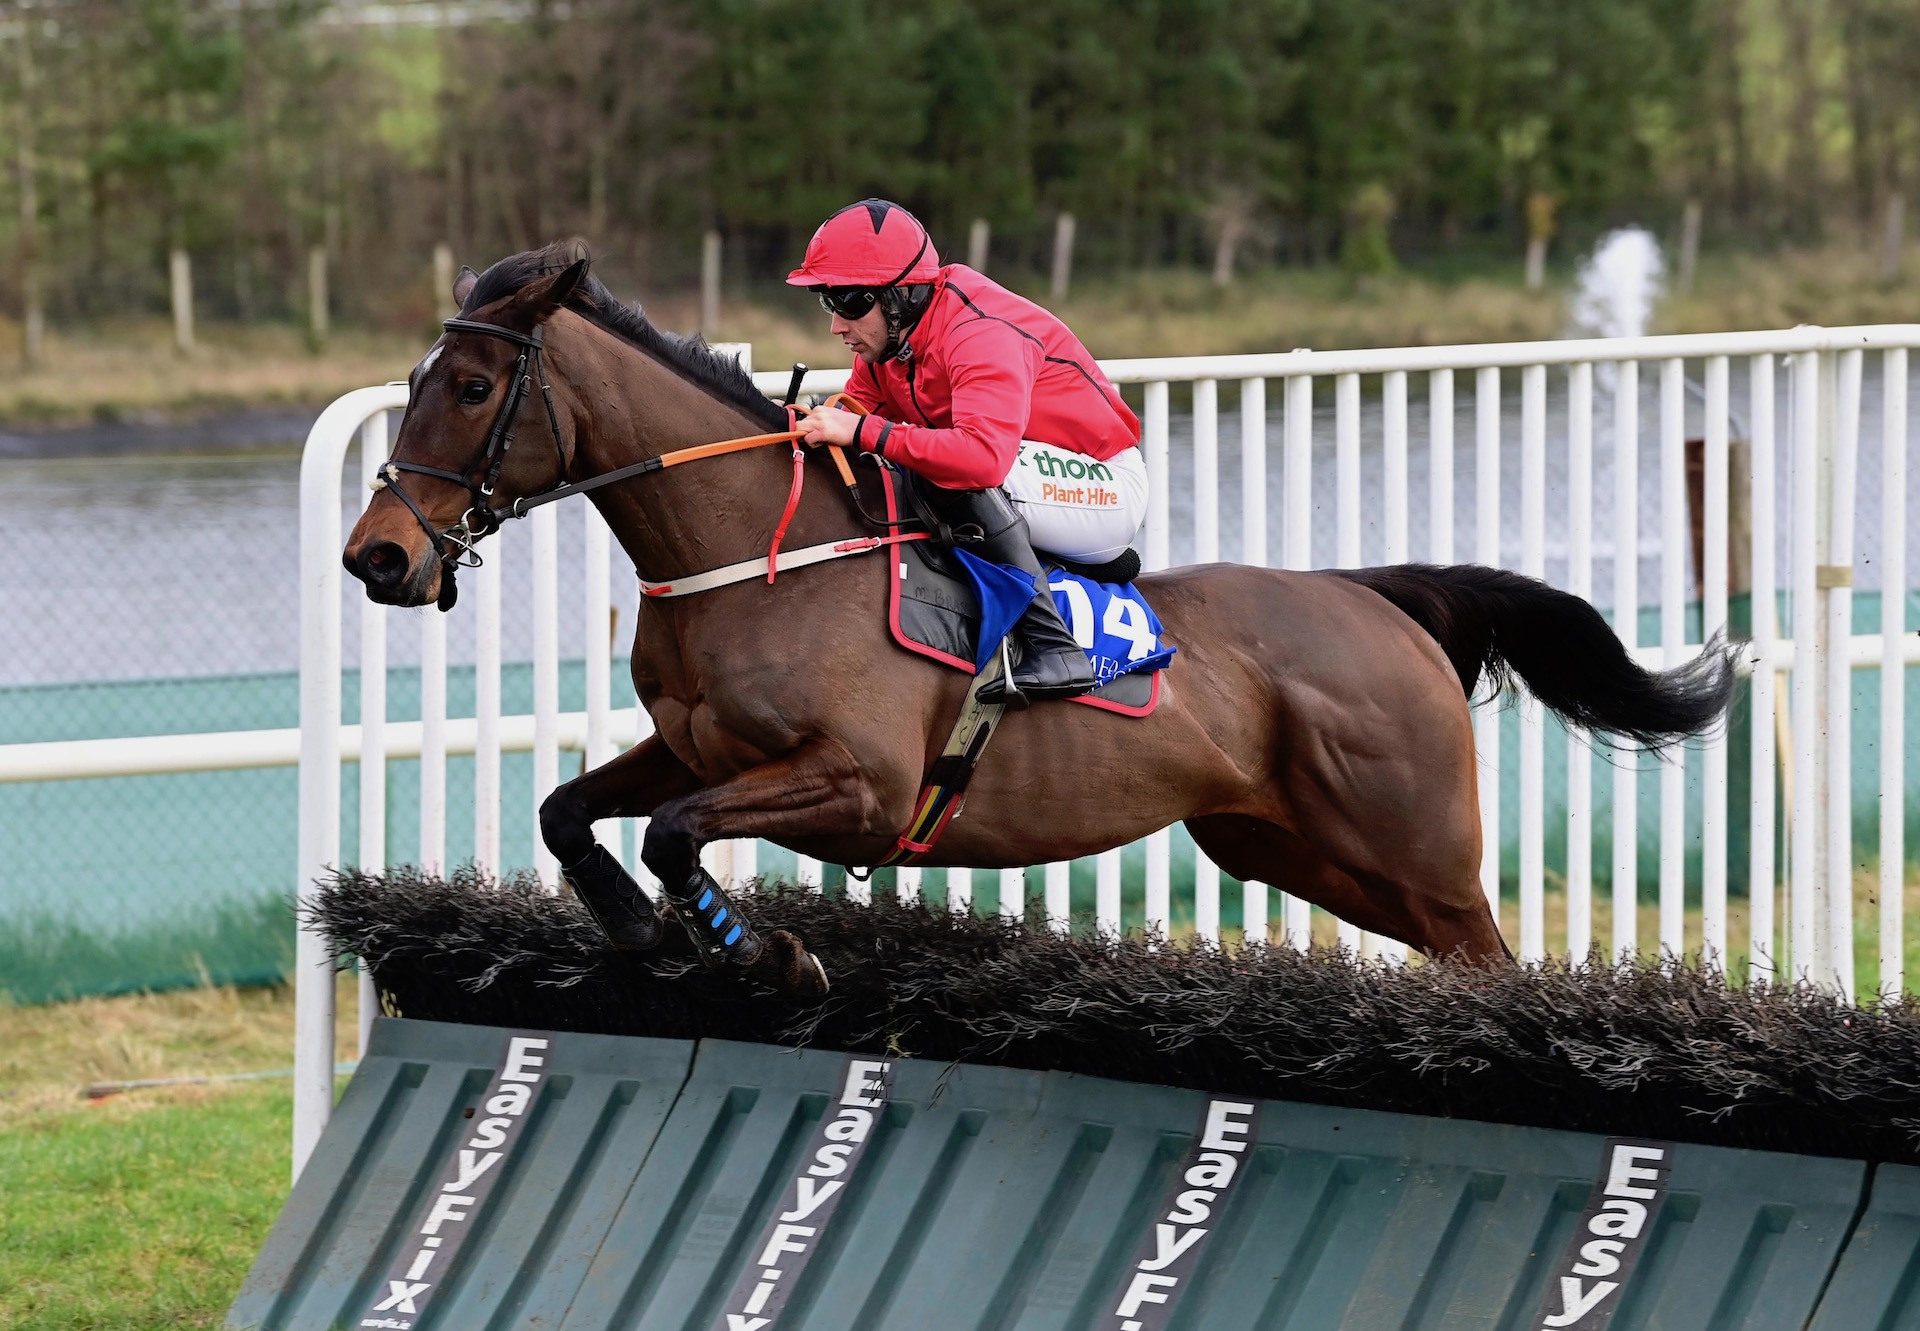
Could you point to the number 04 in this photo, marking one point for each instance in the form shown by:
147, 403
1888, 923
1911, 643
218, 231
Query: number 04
1127, 619
1124, 618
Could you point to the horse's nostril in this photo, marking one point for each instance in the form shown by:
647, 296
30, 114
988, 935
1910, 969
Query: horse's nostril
383, 564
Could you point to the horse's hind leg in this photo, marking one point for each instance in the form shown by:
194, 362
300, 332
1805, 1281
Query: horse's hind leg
629, 786
1430, 903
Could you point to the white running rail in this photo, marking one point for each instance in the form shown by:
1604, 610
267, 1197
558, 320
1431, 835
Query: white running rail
1416, 440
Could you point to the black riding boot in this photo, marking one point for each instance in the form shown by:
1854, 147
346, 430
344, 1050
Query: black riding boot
1052, 664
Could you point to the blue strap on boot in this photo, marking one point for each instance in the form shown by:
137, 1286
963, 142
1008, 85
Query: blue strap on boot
715, 923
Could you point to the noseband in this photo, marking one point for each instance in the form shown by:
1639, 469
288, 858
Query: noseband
455, 544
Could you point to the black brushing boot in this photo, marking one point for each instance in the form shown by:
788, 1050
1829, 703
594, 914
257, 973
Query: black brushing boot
1052, 664
615, 901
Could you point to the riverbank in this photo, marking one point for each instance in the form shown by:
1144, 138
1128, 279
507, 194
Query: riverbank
122, 388
237, 428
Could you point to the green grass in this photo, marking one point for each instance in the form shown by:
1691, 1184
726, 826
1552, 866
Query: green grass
142, 1209
139, 1215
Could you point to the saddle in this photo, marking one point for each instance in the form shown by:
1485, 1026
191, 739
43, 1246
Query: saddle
933, 611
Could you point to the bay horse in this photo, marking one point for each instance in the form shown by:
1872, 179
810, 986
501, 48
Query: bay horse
1313, 732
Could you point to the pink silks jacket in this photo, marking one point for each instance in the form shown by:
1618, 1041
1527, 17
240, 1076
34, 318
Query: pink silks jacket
987, 368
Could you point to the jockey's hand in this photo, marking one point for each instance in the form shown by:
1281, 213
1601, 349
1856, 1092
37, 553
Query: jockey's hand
827, 425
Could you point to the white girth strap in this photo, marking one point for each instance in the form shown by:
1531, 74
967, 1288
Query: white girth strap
754, 568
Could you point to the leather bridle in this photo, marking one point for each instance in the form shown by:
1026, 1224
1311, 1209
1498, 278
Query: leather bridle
455, 544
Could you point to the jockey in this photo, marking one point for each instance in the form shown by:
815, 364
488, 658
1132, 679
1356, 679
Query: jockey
992, 401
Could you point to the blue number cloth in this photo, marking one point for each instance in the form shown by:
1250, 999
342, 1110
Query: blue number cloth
1112, 623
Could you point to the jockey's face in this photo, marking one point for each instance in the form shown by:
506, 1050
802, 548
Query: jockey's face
865, 337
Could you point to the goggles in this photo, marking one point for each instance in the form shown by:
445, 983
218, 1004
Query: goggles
847, 302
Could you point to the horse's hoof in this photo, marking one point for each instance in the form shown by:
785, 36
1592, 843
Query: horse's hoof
786, 964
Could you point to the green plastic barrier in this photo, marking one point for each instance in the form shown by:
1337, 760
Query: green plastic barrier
648, 1184
1877, 1285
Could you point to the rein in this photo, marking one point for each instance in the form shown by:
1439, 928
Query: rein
456, 545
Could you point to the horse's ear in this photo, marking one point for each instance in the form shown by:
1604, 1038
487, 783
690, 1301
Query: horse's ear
542, 297
463, 286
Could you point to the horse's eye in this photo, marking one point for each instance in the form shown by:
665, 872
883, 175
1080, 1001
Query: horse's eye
474, 391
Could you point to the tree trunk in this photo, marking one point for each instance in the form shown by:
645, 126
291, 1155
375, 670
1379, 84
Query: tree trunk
542, 199
1893, 237
1860, 109
455, 184
32, 318
1803, 133
597, 190
243, 282
1732, 43
710, 283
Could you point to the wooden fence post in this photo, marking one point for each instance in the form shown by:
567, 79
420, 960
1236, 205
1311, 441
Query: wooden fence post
180, 271
1893, 236
1542, 218
33, 323
318, 314
977, 237
710, 283
1226, 247
443, 280
1062, 255
32, 317
1689, 246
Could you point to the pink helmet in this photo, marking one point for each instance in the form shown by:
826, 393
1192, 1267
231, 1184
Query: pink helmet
872, 243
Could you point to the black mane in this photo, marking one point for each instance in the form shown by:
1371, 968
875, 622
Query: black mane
691, 356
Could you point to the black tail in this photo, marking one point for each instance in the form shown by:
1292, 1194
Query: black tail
1494, 624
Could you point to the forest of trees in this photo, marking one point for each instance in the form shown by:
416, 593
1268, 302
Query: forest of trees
248, 131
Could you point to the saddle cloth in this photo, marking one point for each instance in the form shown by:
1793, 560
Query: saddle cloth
933, 611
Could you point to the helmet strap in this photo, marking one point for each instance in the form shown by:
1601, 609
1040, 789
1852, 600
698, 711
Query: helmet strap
903, 308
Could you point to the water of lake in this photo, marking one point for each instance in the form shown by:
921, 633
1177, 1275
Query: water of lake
155, 567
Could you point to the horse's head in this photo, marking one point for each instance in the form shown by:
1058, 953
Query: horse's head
482, 428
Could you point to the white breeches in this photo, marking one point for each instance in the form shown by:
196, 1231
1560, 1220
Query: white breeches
1074, 506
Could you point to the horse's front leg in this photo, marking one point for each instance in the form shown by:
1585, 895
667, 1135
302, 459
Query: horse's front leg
819, 789
630, 786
